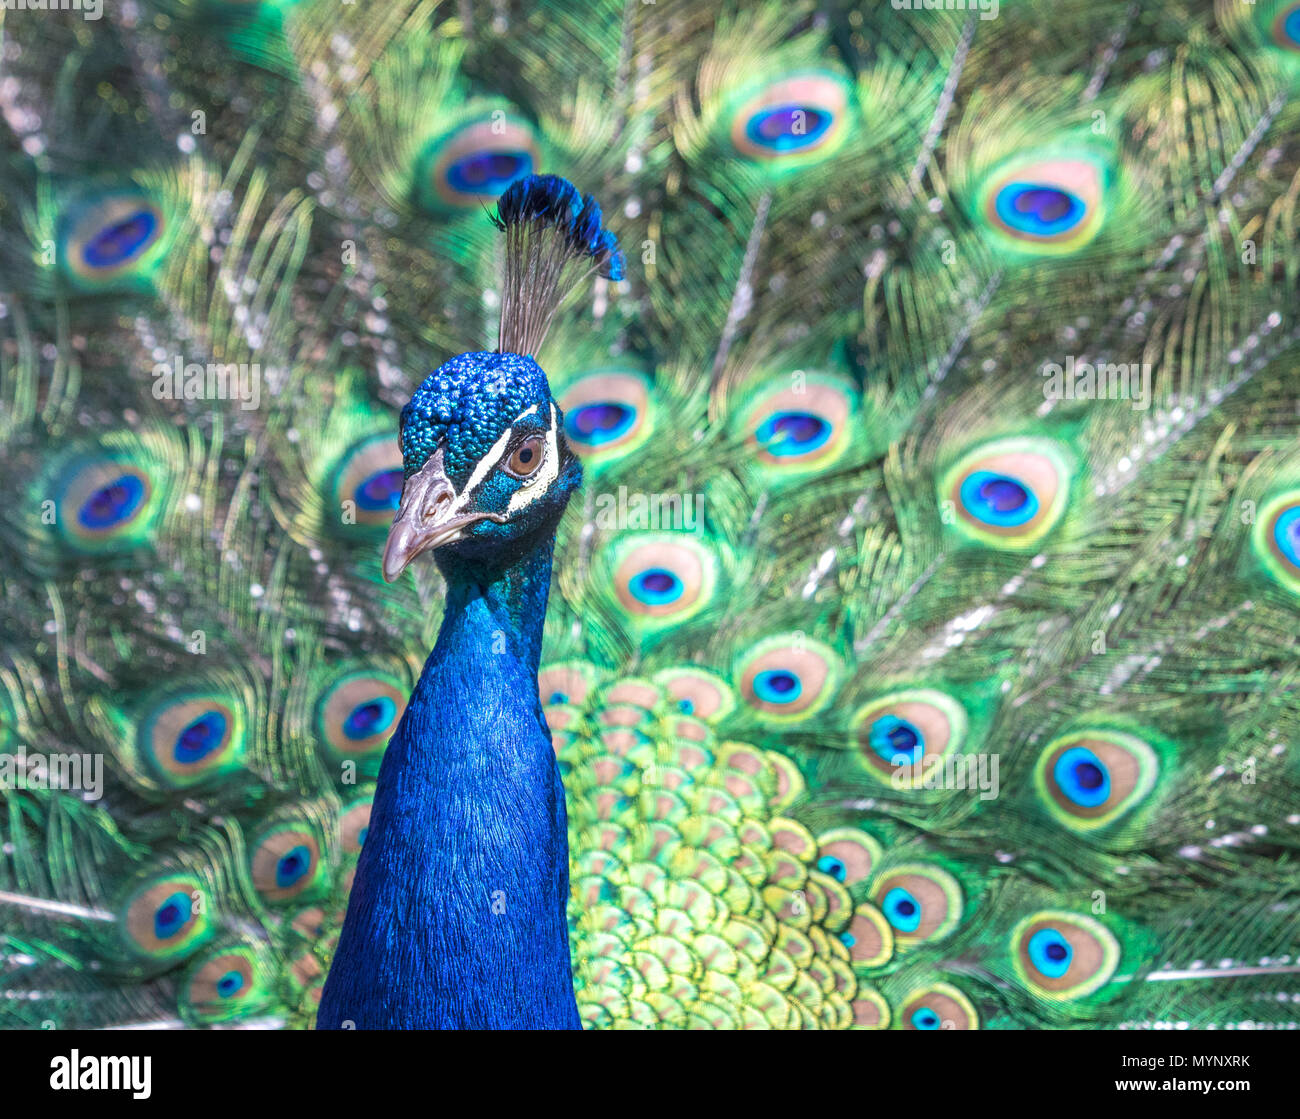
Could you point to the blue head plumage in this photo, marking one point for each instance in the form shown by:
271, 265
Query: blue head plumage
488, 468
464, 404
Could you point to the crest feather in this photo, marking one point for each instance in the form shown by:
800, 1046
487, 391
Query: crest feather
555, 237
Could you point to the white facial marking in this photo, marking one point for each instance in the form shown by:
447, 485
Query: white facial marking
540, 482
484, 467
489, 461
533, 488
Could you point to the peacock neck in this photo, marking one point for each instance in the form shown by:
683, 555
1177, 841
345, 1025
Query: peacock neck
494, 612
457, 916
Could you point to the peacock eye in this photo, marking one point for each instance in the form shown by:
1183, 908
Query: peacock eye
527, 457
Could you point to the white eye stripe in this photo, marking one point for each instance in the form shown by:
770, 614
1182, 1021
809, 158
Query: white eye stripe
485, 466
492, 459
540, 482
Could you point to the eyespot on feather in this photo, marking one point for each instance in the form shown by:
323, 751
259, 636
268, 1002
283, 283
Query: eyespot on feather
105, 502
847, 855
663, 579
792, 120
940, 1006
921, 902
793, 429
167, 917
358, 713
1090, 778
1276, 538
902, 736
111, 238
188, 738
1284, 28
1060, 955
787, 677
868, 937
285, 861
354, 823
1046, 204
607, 414
1009, 493
566, 683
697, 692
226, 983
367, 483
473, 164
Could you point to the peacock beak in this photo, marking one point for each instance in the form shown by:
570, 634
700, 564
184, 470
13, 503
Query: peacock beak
429, 515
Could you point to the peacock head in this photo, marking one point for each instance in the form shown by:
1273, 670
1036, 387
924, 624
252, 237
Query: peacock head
488, 470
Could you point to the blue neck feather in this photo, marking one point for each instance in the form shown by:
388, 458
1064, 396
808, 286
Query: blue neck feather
457, 912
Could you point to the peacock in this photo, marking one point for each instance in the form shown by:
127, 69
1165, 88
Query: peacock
880, 614
469, 802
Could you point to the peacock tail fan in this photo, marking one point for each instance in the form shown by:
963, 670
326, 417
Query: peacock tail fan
920, 649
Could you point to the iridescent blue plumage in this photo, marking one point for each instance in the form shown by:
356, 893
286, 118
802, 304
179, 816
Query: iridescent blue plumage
457, 911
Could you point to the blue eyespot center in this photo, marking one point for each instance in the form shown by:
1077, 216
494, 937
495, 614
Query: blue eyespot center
829, 864
1050, 953
925, 1019
657, 586
200, 738
382, 490
488, 172
291, 866
599, 423
902, 910
172, 916
1291, 27
793, 433
370, 718
686, 706
1082, 777
558, 697
112, 504
777, 685
896, 740
1286, 531
119, 242
230, 984
1042, 211
788, 128
997, 499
